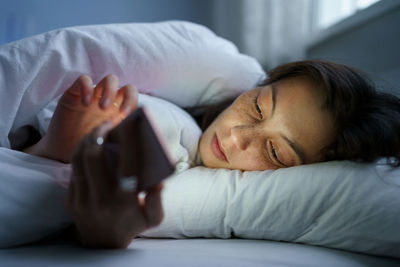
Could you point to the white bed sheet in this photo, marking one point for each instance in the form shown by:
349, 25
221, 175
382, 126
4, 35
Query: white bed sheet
189, 252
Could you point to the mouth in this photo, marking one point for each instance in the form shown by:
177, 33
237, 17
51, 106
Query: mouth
217, 149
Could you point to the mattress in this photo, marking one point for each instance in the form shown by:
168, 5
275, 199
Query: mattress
188, 252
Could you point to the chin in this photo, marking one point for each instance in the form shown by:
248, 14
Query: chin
206, 159
211, 162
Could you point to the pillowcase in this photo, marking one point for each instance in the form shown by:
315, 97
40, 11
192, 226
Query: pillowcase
182, 62
342, 205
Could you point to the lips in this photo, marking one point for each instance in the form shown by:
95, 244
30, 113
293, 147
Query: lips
217, 149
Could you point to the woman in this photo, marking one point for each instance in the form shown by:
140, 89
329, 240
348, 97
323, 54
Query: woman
305, 112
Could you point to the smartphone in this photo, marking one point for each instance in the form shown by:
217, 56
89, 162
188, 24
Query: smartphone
136, 148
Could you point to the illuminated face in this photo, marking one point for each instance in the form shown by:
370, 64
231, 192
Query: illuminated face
269, 127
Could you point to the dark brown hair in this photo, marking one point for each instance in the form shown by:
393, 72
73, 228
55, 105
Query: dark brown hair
206, 114
367, 121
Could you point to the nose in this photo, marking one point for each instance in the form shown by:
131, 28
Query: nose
242, 136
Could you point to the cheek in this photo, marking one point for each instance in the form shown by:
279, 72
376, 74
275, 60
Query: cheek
251, 161
222, 124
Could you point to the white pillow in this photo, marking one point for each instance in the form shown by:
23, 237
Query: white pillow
341, 205
180, 61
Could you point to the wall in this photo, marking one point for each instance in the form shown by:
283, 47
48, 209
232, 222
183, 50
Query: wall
370, 41
21, 18
273, 31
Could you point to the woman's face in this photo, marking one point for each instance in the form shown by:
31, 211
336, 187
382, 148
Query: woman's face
270, 127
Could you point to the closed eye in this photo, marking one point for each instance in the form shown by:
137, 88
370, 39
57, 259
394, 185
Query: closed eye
257, 107
275, 155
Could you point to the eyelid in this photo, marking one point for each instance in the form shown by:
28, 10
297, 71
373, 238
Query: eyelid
276, 153
257, 106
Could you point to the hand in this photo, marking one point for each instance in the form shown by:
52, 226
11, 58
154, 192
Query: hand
80, 109
104, 215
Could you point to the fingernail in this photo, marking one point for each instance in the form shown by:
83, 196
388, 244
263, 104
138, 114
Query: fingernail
105, 102
87, 100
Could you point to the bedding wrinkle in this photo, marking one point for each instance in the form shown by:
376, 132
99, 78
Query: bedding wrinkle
357, 215
29, 72
229, 195
39, 211
201, 36
387, 174
308, 229
11, 98
237, 176
238, 206
322, 207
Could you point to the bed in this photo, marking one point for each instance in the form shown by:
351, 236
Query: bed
326, 214
189, 252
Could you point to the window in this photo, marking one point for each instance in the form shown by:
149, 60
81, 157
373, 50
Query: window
329, 12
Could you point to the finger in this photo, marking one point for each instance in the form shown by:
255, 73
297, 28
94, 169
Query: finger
79, 188
70, 197
95, 170
79, 182
130, 98
82, 88
86, 89
98, 176
107, 88
153, 207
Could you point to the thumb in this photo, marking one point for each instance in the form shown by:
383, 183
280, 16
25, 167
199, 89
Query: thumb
153, 207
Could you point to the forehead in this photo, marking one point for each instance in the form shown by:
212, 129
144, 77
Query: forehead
300, 88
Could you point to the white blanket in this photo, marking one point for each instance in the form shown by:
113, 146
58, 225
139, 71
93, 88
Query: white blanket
180, 61
33, 189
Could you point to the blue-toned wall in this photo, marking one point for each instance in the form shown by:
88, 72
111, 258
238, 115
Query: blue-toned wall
22, 18
369, 41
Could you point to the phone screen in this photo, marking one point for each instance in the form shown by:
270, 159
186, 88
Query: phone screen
135, 148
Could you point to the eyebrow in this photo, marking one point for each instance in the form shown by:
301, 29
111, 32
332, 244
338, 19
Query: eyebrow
273, 89
296, 148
